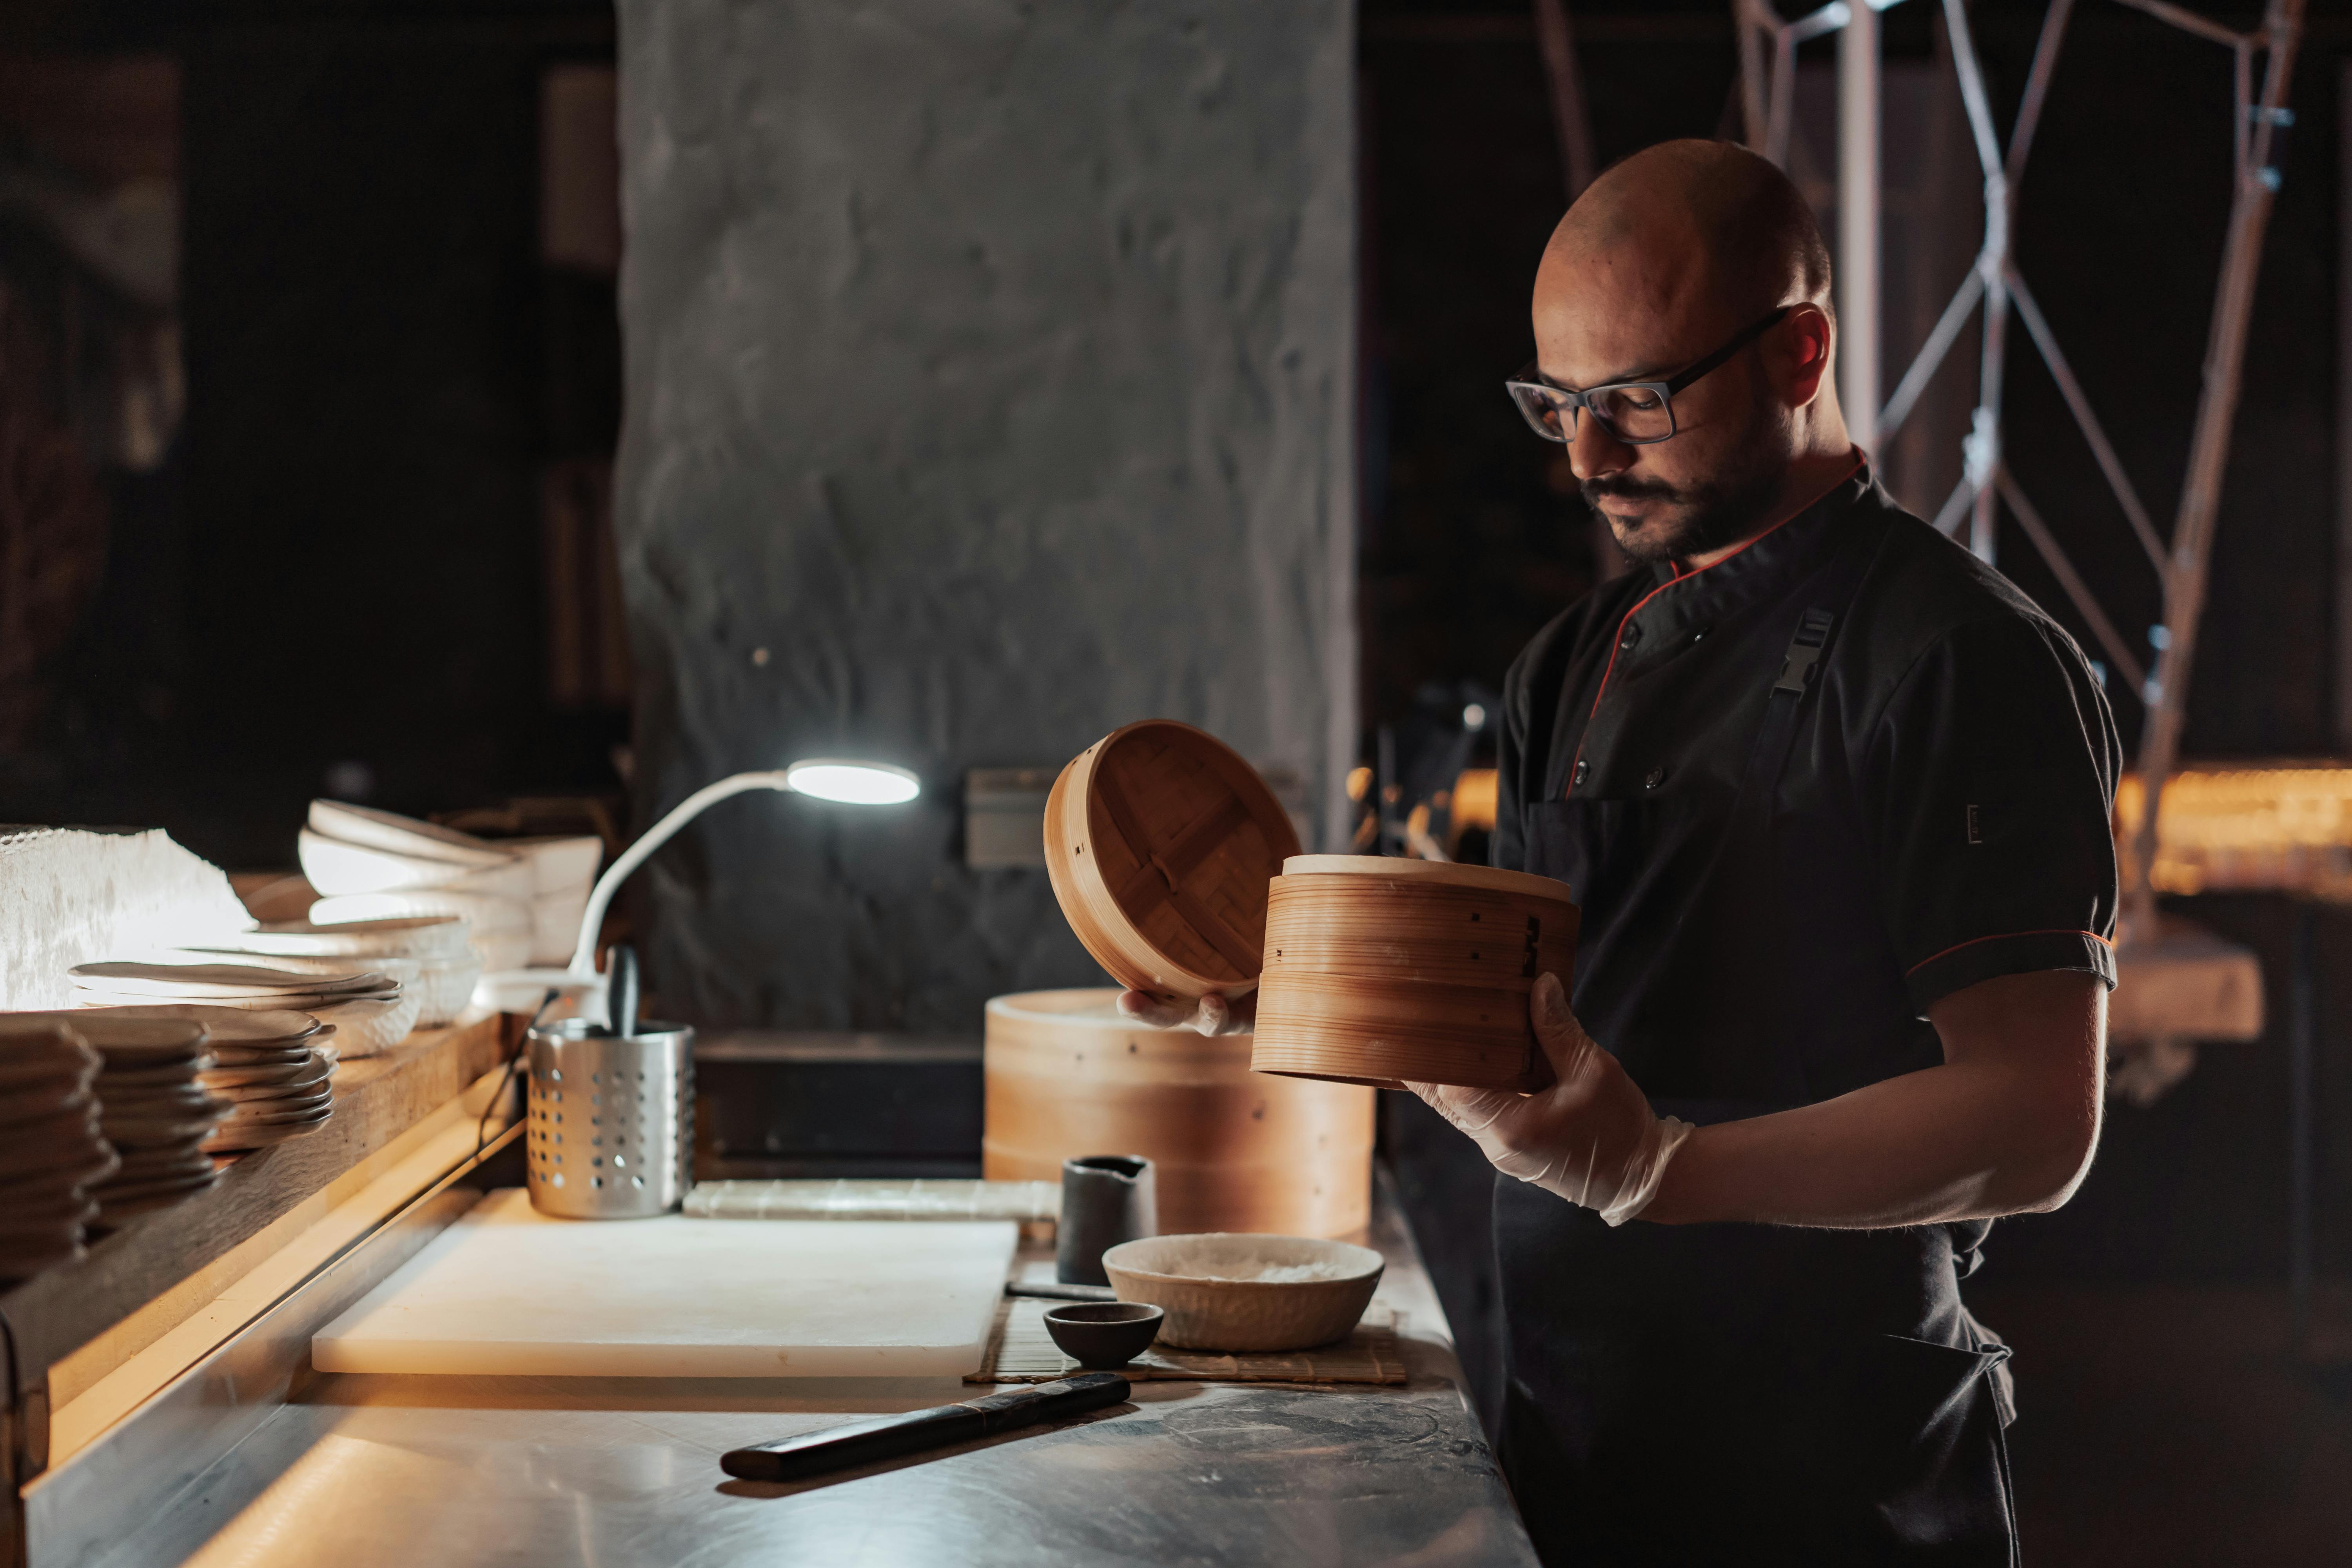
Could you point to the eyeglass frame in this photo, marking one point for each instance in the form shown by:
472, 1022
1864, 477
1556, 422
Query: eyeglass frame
1531, 378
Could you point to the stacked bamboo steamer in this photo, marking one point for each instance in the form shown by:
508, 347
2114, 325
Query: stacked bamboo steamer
1232, 1150
1387, 970
1179, 872
1161, 840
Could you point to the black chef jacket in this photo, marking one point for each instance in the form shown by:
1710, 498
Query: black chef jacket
1768, 910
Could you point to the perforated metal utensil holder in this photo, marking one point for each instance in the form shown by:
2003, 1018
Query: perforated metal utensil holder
611, 1119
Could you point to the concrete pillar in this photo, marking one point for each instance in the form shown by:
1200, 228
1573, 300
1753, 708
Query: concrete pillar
991, 383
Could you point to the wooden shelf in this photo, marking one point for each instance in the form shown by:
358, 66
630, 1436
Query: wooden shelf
377, 1100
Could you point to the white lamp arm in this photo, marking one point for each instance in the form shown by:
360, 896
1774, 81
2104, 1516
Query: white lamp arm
591, 921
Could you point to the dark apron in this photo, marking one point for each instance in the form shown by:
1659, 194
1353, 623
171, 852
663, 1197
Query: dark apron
1735, 1393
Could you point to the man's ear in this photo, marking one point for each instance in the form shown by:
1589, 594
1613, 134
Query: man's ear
1802, 355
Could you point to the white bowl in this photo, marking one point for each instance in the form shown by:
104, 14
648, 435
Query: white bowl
555, 924
484, 916
405, 836
363, 1028
1224, 1290
335, 868
443, 990
559, 864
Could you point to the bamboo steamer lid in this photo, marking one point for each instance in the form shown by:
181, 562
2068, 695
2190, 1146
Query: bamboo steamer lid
1381, 971
1234, 1150
1161, 841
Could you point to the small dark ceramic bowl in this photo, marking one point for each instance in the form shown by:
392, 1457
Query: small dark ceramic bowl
1104, 1334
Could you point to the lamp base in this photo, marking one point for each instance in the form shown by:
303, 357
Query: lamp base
522, 991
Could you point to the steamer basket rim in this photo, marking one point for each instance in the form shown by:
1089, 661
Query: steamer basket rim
1451, 873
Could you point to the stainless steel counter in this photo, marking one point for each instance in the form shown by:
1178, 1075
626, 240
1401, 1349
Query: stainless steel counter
552, 1473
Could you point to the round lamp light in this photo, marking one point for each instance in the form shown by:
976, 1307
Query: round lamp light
848, 783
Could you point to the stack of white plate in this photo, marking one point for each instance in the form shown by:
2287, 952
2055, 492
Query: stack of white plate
272, 1069
154, 1107
428, 954
367, 1008
522, 898
51, 1152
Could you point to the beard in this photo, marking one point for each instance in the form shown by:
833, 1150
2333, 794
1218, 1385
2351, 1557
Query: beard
1720, 510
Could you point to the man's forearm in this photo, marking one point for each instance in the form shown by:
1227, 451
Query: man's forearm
1944, 1143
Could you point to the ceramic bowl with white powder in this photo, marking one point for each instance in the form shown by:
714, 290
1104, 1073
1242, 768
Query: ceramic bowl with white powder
1227, 1291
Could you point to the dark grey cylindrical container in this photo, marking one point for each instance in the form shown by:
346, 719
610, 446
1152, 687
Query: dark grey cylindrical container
1106, 1199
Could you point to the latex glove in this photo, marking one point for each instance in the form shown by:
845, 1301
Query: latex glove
1213, 1015
1591, 1137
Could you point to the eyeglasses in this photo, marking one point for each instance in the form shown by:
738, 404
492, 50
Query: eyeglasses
1638, 412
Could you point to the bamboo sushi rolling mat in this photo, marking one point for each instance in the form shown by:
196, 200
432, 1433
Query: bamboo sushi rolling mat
1031, 1203
1021, 1350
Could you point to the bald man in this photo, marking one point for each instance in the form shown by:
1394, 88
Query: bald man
1834, 796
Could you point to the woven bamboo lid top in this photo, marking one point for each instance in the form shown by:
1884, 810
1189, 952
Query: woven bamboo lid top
1164, 875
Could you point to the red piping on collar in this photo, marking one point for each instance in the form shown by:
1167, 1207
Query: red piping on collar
1861, 459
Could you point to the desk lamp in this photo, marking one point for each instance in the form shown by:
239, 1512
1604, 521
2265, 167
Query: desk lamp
840, 780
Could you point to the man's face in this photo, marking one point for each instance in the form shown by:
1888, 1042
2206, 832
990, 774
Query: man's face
1610, 318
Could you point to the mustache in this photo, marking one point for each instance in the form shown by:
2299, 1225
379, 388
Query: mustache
1621, 489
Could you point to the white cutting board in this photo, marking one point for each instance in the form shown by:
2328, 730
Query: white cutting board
507, 1290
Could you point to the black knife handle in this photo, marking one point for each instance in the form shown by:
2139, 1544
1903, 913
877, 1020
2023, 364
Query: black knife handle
890, 1437
1060, 1292
621, 990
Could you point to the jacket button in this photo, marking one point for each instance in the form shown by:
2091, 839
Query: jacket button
1630, 635
1582, 768
1653, 778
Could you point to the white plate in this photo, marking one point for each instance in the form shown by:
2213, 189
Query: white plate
260, 1028
416, 936
485, 916
401, 971
209, 980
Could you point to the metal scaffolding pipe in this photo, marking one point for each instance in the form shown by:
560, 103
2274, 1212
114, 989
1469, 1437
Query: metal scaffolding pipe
1858, 249
2208, 444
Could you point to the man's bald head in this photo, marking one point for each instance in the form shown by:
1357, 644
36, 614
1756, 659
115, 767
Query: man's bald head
1669, 259
1686, 223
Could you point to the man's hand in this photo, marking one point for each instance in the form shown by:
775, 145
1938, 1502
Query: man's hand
1213, 1015
1591, 1137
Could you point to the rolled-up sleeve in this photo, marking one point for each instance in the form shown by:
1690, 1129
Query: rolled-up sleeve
1990, 785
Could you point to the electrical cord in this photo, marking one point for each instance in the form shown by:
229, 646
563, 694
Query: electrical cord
498, 1095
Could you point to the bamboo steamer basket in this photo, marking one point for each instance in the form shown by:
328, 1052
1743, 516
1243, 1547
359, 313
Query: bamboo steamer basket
1234, 1150
1161, 841
1384, 971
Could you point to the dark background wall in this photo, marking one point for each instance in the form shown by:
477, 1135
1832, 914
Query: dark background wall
991, 385
340, 562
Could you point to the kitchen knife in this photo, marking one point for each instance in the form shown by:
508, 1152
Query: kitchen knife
1057, 1291
890, 1437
